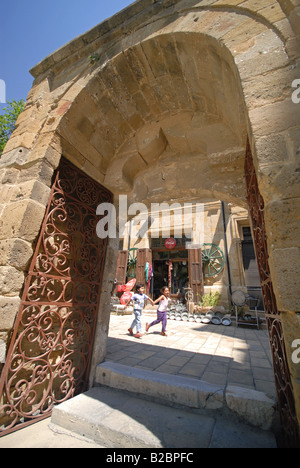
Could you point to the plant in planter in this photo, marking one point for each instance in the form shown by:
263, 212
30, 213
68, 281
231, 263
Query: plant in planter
210, 300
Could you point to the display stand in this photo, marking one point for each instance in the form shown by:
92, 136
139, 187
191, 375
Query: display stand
239, 299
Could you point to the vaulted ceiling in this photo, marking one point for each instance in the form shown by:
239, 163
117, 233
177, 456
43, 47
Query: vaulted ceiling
164, 120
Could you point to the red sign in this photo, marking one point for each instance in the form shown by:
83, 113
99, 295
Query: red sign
170, 243
126, 297
130, 285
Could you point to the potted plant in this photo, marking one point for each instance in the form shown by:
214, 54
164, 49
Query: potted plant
209, 301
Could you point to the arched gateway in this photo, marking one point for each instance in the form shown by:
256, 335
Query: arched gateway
178, 100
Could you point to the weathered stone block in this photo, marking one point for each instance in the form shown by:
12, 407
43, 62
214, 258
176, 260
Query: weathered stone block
274, 118
280, 182
271, 149
293, 144
11, 281
264, 55
15, 252
172, 388
6, 192
251, 405
14, 158
237, 40
283, 218
33, 189
39, 171
9, 307
10, 176
272, 13
22, 220
284, 265
26, 140
276, 86
151, 142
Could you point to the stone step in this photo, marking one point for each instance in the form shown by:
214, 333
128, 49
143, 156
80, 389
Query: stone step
250, 406
117, 419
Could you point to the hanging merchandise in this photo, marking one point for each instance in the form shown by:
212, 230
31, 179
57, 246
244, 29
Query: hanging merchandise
121, 288
147, 271
170, 274
151, 289
150, 276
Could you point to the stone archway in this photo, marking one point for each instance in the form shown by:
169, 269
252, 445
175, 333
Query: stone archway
142, 120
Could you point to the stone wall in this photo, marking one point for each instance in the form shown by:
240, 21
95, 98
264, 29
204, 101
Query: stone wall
142, 119
25, 191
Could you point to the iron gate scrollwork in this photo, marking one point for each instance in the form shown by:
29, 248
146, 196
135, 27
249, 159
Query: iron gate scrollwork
283, 381
50, 352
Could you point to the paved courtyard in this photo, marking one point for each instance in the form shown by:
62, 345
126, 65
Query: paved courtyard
213, 353
216, 354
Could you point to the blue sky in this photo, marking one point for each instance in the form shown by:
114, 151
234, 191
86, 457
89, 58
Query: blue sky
32, 29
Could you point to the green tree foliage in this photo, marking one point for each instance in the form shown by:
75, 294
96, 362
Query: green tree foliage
8, 120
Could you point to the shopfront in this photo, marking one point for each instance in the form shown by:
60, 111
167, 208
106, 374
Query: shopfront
224, 262
170, 265
169, 262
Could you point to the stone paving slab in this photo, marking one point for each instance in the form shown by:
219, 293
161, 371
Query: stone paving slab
170, 389
116, 419
44, 434
250, 406
216, 354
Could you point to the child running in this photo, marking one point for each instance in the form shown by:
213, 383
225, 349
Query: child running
138, 299
161, 311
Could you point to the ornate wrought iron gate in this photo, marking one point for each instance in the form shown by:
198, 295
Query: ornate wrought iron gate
281, 369
50, 352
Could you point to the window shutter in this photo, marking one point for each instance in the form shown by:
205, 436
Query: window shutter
196, 273
143, 256
121, 271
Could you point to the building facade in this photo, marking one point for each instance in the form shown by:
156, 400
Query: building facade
221, 231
